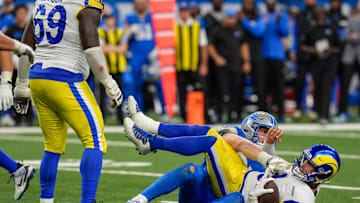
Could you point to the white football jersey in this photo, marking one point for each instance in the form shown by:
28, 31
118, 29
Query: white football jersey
56, 30
290, 188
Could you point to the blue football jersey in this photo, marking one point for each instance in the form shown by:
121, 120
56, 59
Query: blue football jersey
142, 37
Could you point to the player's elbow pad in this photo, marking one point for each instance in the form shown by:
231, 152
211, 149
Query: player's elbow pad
95, 58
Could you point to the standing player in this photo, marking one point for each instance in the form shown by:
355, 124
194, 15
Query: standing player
139, 40
65, 36
227, 172
22, 174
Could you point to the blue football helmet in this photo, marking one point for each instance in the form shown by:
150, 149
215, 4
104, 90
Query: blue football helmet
323, 158
251, 124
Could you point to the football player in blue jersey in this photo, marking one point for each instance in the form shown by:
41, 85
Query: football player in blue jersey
193, 181
21, 173
139, 42
231, 180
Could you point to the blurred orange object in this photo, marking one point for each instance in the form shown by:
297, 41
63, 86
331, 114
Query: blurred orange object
195, 108
162, 6
168, 81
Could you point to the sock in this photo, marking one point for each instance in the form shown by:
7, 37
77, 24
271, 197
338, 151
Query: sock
7, 162
184, 145
176, 130
45, 200
48, 172
90, 169
140, 199
174, 179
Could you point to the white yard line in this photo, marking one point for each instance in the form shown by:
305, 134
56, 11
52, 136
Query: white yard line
25, 138
355, 197
149, 174
285, 127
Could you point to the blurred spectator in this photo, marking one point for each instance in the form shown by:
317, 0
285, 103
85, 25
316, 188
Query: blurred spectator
6, 14
321, 41
337, 18
254, 27
111, 36
191, 55
305, 19
277, 27
139, 41
351, 63
212, 20
229, 49
16, 31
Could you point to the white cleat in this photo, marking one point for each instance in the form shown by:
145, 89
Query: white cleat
136, 135
22, 176
141, 120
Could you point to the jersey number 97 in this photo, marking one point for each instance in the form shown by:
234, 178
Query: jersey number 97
52, 23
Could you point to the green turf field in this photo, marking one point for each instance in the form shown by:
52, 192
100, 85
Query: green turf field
122, 159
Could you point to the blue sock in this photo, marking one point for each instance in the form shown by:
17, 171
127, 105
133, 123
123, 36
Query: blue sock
233, 197
90, 169
176, 130
48, 172
174, 179
7, 162
184, 145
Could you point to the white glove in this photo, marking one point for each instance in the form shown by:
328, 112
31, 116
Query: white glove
113, 92
23, 49
276, 166
6, 96
259, 190
22, 98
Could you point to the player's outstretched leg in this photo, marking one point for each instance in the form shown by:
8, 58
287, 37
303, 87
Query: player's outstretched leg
166, 130
146, 142
21, 173
170, 181
48, 172
233, 197
90, 169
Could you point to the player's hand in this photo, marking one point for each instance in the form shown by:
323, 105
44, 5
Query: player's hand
259, 190
246, 68
22, 98
23, 49
6, 97
113, 92
274, 135
276, 166
203, 70
220, 61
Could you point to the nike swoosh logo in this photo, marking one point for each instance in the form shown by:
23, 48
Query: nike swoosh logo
21, 182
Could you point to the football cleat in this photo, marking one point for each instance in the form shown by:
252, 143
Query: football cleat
140, 119
21, 177
139, 137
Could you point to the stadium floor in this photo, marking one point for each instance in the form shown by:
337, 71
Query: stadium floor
125, 173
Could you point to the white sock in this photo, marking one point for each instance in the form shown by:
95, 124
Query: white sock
141, 198
146, 123
46, 200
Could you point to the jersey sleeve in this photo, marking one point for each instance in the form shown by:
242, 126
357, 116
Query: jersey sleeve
98, 4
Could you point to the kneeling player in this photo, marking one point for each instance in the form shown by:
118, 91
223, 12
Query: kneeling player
227, 172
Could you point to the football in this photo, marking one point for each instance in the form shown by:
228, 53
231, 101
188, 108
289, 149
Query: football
271, 197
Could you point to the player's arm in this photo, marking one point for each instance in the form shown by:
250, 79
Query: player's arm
250, 150
89, 19
6, 43
124, 47
22, 90
6, 96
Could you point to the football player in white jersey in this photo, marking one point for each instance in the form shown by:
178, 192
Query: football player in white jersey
297, 183
21, 173
64, 35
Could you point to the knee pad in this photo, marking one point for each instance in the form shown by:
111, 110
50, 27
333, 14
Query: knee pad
192, 172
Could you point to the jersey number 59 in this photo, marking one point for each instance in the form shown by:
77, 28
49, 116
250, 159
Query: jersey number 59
59, 23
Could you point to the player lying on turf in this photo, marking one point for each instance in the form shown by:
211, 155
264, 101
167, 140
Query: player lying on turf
65, 36
193, 188
22, 174
227, 172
